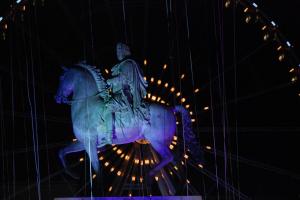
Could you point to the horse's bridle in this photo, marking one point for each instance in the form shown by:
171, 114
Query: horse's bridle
69, 102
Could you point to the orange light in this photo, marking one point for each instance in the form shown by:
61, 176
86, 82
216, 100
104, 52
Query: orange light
172, 89
145, 62
165, 66
158, 82
196, 90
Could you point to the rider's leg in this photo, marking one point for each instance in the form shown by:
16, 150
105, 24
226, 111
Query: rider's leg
108, 117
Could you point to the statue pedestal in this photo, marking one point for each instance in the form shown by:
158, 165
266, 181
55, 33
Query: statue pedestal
135, 198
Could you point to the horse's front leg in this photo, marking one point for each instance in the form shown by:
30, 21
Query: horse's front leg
91, 149
74, 147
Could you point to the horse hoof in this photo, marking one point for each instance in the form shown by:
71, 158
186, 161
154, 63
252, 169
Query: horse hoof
73, 175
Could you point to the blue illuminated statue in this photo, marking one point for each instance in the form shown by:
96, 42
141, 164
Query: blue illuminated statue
100, 118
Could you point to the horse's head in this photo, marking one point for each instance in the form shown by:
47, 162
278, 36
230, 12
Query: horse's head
66, 86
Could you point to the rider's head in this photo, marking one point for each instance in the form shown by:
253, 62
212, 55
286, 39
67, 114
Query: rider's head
122, 51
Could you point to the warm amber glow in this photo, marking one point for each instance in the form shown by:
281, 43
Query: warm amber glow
110, 189
175, 137
119, 151
201, 166
183, 100
182, 76
248, 18
178, 94
172, 89
81, 159
119, 173
246, 10
292, 70
158, 82
149, 95
101, 158
227, 3
122, 156
187, 180
176, 168
112, 169
127, 157
281, 57
187, 106
206, 108
173, 142
165, 66
264, 27
136, 161
196, 90
166, 85
145, 62
266, 36
133, 178
158, 98
162, 101
171, 146
94, 176
294, 79
279, 48
142, 162
74, 140
141, 179
152, 79
156, 178
115, 148
106, 71
191, 112
153, 98
106, 164
193, 120
147, 162
186, 156
208, 147
145, 78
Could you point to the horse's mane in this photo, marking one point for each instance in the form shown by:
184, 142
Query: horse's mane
96, 74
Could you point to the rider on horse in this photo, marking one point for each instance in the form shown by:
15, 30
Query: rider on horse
128, 88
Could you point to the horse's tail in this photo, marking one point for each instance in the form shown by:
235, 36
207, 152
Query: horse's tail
189, 137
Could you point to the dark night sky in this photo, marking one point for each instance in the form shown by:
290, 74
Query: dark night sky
265, 113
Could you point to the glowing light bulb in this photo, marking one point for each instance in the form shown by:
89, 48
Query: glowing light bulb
106, 71
156, 178
165, 66
127, 157
183, 100
133, 178
182, 76
178, 94
193, 120
196, 90
246, 10
187, 106
106, 164
145, 78
145, 62
200, 165
208, 147
186, 156
175, 137
119, 173
206, 108
171, 146
147, 162
281, 57
292, 70
94, 176
81, 159
112, 169
119, 151
110, 188
158, 82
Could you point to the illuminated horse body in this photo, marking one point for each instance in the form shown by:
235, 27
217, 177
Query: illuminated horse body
88, 90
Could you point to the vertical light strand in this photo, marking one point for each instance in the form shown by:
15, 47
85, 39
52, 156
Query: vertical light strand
235, 98
124, 20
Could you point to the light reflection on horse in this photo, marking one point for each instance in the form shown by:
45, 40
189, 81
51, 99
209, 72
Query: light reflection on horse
87, 88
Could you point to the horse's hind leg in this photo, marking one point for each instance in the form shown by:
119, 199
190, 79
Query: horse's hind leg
74, 147
166, 157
